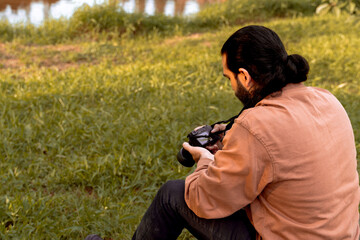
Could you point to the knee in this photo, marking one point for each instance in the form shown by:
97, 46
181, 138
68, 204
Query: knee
172, 191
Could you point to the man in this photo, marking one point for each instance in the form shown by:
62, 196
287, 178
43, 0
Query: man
289, 159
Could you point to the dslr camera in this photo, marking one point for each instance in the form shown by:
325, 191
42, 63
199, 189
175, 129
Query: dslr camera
201, 137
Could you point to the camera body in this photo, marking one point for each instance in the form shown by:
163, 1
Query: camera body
201, 137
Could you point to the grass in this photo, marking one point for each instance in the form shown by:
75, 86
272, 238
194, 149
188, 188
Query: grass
89, 130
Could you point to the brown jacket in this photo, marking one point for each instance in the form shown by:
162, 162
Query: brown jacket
291, 161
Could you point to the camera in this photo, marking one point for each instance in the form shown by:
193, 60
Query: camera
201, 137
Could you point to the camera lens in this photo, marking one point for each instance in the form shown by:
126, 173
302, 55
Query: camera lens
185, 158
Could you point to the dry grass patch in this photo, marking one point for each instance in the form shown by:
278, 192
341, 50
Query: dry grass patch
60, 57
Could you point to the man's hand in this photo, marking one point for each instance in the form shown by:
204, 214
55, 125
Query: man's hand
219, 127
218, 145
198, 152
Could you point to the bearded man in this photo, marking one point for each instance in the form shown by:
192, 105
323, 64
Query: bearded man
287, 167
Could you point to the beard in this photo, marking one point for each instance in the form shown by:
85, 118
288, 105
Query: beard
248, 99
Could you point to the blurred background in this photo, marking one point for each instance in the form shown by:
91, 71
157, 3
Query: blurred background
36, 11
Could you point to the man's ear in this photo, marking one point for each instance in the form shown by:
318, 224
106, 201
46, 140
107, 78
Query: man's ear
247, 81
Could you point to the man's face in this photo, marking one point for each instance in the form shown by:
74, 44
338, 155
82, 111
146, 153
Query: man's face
240, 91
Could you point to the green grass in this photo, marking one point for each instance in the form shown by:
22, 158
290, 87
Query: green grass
89, 130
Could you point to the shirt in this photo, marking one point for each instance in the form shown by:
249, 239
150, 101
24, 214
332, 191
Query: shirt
291, 161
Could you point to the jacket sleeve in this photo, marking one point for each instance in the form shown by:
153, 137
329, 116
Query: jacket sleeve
239, 173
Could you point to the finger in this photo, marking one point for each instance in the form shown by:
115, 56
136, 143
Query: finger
219, 145
215, 129
192, 150
212, 148
218, 127
186, 145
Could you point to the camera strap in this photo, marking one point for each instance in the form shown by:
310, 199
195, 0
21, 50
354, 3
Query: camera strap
229, 122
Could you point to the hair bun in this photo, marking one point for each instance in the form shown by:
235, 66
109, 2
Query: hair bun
297, 68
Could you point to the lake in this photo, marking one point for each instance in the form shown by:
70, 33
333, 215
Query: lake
36, 11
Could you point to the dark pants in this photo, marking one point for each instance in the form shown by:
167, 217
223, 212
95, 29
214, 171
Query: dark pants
168, 215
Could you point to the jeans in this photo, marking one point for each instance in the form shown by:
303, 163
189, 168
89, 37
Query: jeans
168, 215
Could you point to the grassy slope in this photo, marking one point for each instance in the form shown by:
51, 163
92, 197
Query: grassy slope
89, 131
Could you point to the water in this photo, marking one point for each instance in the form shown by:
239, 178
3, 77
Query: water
36, 11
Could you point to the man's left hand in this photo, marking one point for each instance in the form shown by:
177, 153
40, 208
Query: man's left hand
198, 152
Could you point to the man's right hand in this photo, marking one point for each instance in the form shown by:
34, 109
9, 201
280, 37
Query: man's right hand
218, 145
218, 127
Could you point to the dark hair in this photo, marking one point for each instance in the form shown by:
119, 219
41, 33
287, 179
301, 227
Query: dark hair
260, 51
